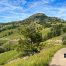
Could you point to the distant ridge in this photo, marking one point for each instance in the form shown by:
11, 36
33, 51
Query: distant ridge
40, 17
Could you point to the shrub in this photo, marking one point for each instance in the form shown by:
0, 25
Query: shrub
64, 39
31, 44
2, 50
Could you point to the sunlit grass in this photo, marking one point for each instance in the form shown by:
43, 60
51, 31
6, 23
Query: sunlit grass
41, 59
6, 56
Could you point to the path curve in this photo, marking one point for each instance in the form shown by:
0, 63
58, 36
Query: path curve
58, 59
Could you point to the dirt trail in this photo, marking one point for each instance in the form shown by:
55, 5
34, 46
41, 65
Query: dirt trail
58, 59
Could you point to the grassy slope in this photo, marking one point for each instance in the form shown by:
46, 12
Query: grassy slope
54, 41
41, 59
44, 56
15, 35
5, 57
45, 31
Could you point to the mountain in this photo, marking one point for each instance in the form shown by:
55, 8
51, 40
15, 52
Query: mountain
36, 30
38, 17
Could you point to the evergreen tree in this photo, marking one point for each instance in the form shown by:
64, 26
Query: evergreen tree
31, 44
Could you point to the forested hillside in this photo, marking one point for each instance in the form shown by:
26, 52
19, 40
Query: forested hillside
35, 37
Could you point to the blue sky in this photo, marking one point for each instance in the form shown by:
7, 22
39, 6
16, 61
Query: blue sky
14, 10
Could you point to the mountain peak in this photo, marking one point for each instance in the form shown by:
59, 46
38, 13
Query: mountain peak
39, 14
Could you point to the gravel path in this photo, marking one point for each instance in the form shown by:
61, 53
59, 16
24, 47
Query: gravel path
58, 59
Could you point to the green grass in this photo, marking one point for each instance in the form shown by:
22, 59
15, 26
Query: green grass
45, 32
14, 36
41, 59
54, 41
7, 56
2, 41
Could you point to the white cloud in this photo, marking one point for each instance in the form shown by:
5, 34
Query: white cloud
10, 7
13, 10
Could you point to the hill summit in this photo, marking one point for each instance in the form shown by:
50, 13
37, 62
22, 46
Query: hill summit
39, 14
